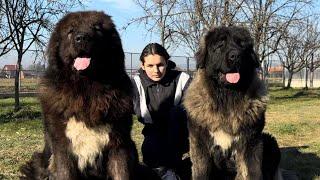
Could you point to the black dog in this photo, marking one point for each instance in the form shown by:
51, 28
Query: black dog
86, 101
226, 103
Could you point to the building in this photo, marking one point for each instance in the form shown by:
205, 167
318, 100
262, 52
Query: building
275, 72
9, 71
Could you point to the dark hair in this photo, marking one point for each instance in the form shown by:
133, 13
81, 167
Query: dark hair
154, 48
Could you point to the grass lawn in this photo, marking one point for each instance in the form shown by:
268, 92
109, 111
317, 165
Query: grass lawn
27, 84
293, 117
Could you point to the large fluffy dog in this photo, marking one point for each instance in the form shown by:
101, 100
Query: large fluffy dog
86, 101
226, 103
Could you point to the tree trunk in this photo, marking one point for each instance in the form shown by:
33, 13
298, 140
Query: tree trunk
306, 78
311, 78
265, 74
283, 77
312, 69
289, 79
17, 84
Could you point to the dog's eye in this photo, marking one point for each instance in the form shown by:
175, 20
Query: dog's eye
70, 31
220, 44
97, 27
240, 42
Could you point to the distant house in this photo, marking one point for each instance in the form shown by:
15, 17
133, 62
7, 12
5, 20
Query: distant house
9, 71
276, 71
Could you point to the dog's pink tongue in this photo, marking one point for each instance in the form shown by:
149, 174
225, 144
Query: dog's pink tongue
232, 77
81, 63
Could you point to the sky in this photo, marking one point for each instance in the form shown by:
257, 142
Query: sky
134, 39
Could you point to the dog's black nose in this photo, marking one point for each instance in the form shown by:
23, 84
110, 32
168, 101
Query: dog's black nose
80, 38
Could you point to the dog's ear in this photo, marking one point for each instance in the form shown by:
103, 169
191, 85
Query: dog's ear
53, 50
201, 54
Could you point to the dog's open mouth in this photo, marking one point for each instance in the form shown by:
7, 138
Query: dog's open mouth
231, 78
81, 63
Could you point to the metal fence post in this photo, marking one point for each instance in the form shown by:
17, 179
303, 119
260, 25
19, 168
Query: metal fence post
188, 65
131, 65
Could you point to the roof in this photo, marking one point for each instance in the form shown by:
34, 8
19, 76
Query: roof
276, 69
10, 67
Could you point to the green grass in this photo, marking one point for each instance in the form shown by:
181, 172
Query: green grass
18, 140
20, 134
27, 84
293, 117
30, 109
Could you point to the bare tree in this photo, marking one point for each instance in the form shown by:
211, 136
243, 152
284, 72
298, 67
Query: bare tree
198, 16
29, 22
37, 67
156, 18
291, 49
311, 48
310, 44
313, 65
188, 20
5, 43
183, 22
280, 55
268, 20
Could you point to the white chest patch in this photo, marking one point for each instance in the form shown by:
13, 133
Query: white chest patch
86, 143
222, 139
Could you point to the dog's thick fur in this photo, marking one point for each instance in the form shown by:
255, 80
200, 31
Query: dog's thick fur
87, 113
227, 119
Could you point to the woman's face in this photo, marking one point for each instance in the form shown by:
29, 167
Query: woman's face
154, 66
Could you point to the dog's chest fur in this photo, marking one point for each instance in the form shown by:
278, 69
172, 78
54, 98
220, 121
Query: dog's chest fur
86, 143
204, 111
223, 139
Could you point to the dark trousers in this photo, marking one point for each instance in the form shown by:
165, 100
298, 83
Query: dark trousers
166, 149
183, 171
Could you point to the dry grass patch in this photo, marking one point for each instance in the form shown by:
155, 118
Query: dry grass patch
293, 118
27, 84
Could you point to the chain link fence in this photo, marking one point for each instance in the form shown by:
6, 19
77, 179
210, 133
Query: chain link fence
183, 63
278, 76
29, 79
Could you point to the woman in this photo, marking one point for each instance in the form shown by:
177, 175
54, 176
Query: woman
159, 89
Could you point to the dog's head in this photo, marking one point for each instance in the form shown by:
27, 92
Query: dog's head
227, 56
86, 44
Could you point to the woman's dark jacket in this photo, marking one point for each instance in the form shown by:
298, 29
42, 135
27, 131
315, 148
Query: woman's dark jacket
165, 138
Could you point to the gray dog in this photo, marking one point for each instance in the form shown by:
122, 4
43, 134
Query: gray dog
226, 103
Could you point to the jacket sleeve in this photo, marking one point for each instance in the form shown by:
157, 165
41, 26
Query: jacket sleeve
185, 88
136, 101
